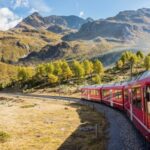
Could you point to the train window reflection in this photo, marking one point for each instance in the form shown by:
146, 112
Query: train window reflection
106, 92
126, 95
118, 94
137, 97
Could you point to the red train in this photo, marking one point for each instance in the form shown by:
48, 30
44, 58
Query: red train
132, 97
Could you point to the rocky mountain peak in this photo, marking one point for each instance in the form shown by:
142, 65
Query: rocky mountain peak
35, 20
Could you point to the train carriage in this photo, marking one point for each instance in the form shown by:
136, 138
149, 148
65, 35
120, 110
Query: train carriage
113, 95
137, 103
133, 97
92, 93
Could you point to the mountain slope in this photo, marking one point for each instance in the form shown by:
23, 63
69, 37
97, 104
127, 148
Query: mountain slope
67, 50
49, 52
38, 22
15, 44
125, 26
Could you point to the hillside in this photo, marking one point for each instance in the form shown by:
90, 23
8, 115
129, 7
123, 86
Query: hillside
68, 50
126, 26
8, 73
37, 38
15, 44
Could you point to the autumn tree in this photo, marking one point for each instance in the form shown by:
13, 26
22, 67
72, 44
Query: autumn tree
49, 68
66, 71
98, 67
125, 57
57, 68
140, 55
88, 67
25, 74
96, 79
78, 69
147, 62
52, 79
119, 64
132, 61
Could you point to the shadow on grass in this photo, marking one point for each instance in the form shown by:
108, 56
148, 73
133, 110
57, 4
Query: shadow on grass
91, 134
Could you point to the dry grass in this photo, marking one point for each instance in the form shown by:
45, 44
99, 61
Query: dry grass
32, 42
49, 125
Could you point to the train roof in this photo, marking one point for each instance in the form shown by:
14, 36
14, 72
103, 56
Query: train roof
143, 76
140, 77
91, 86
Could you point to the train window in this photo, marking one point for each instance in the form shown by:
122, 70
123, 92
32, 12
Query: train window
148, 98
84, 92
92, 92
105, 92
137, 97
126, 97
96, 93
118, 94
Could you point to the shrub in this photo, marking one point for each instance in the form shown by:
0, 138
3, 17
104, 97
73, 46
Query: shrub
3, 137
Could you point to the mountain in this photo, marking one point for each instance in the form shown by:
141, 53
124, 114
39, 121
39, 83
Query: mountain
140, 16
58, 29
67, 50
49, 52
69, 37
16, 43
125, 26
38, 22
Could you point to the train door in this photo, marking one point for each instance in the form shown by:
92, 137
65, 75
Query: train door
126, 100
136, 104
147, 106
130, 105
88, 94
111, 98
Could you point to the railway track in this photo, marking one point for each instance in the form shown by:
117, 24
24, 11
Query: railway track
122, 134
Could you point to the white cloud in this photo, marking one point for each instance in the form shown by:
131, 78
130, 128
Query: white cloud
81, 13
8, 19
37, 5
32, 10
20, 3
40, 6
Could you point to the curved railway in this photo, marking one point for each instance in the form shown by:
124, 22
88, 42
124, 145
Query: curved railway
122, 133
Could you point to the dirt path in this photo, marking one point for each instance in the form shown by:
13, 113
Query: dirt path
123, 135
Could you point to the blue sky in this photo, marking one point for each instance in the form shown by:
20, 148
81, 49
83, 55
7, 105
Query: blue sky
15, 10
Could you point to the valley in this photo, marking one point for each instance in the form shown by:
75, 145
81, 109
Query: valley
83, 37
56, 61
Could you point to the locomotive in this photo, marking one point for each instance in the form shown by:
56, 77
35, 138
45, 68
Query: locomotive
131, 97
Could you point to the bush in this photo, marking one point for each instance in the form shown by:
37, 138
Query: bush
3, 136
